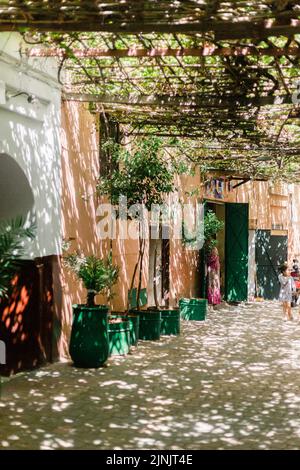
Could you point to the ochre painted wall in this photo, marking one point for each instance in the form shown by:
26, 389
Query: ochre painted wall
80, 170
270, 206
184, 275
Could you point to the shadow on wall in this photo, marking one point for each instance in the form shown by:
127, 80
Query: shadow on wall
16, 198
184, 262
125, 256
26, 318
80, 172
184, 268
30, 186
31, 138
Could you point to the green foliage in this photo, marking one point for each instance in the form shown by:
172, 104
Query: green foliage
143, 175
214, 139
212, 225
12, 235
97, 274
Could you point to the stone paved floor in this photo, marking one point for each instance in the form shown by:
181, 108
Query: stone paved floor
232, 382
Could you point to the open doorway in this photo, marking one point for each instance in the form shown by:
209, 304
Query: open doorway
233, 250
219, 209
26, 315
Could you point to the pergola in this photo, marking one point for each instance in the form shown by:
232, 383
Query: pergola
220, 76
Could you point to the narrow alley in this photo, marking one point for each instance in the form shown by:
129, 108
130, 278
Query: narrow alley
222, 384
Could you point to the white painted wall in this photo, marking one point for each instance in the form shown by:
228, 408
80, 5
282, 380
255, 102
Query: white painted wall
30, 134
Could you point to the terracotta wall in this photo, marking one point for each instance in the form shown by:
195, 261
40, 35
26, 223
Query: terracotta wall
80, 170
270, 205
184, 275
294, 222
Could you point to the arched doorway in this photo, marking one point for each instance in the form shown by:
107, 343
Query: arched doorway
16, 196
26, 317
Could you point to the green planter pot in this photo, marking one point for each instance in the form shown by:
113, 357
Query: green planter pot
193, 309
89, 336
150, 324
134, 325
119, 336
170, 322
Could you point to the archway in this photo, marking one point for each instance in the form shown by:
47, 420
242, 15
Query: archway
20, 316
16, 196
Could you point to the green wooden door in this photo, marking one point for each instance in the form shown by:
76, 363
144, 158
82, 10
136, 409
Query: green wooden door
236, 252
271, 251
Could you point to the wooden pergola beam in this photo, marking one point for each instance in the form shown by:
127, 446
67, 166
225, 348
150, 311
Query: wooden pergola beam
179, 101
97, 26
222, 29
257, 30
207, 51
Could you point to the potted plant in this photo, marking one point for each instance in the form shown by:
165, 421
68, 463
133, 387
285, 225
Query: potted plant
12, 236
119, 330
89, 344
124, 333
144, 177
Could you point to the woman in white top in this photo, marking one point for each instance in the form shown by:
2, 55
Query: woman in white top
287, 287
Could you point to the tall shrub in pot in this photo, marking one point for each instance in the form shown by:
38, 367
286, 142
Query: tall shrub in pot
89, 345
143, 177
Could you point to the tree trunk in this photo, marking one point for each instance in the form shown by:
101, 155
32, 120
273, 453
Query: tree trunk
90, 298
132, 283
142, 251
155, 279
134, 272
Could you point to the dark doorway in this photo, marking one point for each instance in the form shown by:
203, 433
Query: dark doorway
219, 209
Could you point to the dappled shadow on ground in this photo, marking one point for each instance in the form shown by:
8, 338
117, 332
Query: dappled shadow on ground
231, 382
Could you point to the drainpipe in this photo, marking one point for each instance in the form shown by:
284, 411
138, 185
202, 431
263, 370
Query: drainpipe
41, 307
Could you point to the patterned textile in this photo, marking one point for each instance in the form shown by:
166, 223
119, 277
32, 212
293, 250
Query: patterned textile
287, 287
213, 288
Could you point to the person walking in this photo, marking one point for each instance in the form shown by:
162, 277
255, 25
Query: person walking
287, 287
